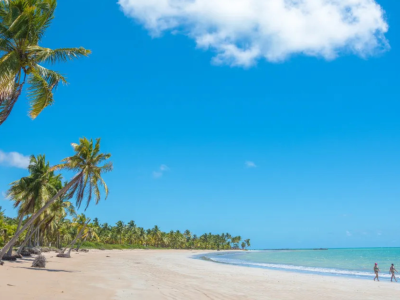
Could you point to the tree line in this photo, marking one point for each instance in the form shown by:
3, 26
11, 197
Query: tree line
47, 216
64, 225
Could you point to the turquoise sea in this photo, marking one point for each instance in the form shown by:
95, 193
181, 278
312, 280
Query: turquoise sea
358, 262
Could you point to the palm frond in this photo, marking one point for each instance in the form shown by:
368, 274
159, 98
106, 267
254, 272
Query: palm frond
47, 55
43, 22
7, 86
9, 64
6, 45
53, 78
39, 93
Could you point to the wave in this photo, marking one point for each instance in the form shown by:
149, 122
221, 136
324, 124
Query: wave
315, 270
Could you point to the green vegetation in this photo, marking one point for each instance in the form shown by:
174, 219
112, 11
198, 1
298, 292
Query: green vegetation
47, 217
122, 236
22, 26
42, 199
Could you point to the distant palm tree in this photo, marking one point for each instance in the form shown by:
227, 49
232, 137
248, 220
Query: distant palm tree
187, 234
86, 162
22, 26
156, 233
80, 222
119, 229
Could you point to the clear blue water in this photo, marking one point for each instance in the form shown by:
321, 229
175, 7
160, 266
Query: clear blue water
342, 262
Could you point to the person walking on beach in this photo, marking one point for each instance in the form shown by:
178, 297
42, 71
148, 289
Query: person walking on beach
376, 270
392, 270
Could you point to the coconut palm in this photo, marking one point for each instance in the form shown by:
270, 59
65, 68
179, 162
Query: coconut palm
119, 230
31, 192
87, 164
22, 27
156, 234
89, 233
80, 223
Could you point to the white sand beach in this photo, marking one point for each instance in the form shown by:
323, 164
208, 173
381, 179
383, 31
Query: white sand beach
172, 274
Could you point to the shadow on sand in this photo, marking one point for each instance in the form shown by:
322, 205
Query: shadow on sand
47, 270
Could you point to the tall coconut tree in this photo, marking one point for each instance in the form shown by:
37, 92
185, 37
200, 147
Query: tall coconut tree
31, 192
23, 24
87, 164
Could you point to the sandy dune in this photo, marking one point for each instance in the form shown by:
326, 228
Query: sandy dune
172, 274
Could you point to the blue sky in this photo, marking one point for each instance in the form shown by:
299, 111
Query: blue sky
321, 130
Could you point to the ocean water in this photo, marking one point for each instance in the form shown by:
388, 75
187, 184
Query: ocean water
358, 262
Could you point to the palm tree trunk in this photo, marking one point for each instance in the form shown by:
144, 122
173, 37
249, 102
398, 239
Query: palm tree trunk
37, 237
77, 237
29, 236
84, 240
39, 212
9, 253
8, 104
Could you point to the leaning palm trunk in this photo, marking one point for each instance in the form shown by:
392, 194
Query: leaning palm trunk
9, 253
8, 100
30, 235
80, 244
39, 212
77, 237
26, 240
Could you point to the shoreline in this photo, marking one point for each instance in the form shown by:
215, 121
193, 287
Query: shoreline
172, 274
322, 271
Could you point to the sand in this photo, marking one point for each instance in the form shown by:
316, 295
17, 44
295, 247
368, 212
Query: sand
172, 274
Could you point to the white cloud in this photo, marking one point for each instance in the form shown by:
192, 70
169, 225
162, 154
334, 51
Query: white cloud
157, 175
164, 168
250, 164
160, 173
14, 159
348, 233
243, 31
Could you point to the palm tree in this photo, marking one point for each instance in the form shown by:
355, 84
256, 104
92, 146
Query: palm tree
31, 192
22, 26
80, 223
188, 235
89, 233
86, 162
156, 233
119, 229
